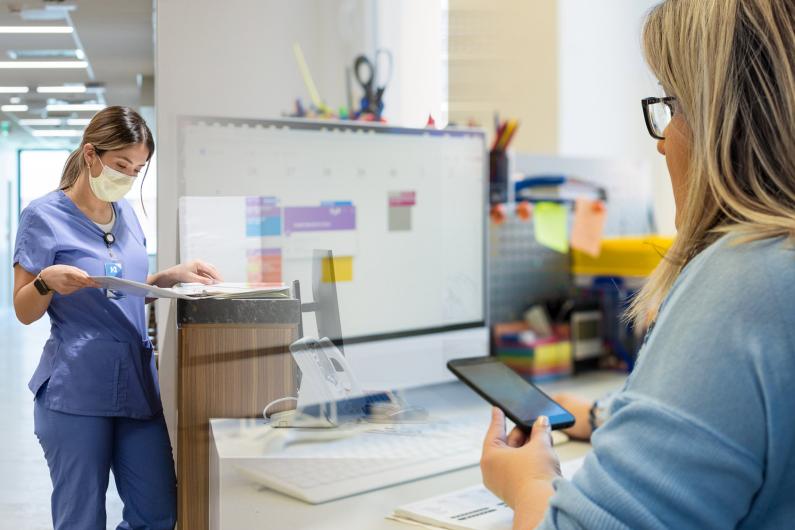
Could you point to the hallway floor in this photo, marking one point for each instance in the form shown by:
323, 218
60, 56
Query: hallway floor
25, 485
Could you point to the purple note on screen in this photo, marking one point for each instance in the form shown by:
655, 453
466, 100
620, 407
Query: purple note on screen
319, 218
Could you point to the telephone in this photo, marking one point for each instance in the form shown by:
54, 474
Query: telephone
325, 374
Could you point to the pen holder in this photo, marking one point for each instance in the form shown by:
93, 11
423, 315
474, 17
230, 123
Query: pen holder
498, 176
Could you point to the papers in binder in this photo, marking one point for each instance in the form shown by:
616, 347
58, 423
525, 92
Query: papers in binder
195, 291
473, 508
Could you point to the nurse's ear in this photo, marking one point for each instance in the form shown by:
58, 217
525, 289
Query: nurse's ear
90, 156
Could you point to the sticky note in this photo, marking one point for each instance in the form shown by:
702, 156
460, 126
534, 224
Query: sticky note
342, 267
550, 226
400, 210
588, 226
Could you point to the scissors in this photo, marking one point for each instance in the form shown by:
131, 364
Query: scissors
366, 72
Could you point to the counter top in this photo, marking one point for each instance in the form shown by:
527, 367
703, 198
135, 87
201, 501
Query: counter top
239, 311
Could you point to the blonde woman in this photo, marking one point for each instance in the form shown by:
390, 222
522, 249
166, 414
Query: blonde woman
703, 433
97, 402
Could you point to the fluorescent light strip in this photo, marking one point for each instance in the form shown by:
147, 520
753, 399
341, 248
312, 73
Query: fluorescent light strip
42, 64
71, 107
36, 29
14, 108
65, 89
40, 121
81, 122
14, 90
58, 133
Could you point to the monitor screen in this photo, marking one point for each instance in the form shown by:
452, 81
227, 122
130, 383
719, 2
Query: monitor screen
402, 211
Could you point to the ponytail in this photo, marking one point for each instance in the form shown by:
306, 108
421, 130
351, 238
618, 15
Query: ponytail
72, 168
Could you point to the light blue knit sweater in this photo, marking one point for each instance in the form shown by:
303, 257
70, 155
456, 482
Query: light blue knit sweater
703, 434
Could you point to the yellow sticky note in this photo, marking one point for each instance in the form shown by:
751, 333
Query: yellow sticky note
343, 269
588, 226
550, 225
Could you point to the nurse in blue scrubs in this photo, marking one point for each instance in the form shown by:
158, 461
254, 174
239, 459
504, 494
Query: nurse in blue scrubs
97, 401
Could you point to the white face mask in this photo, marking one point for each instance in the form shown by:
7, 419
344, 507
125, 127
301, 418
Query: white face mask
110, 185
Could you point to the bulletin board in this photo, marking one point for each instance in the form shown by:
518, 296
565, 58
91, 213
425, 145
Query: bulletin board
403, 211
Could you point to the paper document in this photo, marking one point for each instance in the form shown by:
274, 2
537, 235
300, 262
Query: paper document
194, 291
473, 508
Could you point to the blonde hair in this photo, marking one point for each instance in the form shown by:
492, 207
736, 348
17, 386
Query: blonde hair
731, 66
110, 129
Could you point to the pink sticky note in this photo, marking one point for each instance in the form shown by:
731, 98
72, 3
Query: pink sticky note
588, 226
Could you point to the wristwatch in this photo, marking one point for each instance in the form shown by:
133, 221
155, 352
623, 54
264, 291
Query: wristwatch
40, 286
600, 411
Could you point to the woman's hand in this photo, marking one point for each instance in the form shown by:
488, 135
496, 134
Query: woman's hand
65, 279
195, 271
581, 409
519, 469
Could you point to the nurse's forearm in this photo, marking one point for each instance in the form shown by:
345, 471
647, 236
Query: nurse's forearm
29, 304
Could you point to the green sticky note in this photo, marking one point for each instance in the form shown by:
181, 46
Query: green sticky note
550, 222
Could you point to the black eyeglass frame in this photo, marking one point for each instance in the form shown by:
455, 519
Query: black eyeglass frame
648, 102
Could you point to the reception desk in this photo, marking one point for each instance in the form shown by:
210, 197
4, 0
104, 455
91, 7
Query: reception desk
233, 358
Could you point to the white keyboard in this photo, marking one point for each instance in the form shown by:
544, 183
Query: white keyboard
376, 457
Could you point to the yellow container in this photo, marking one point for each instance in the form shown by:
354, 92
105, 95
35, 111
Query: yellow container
622, 256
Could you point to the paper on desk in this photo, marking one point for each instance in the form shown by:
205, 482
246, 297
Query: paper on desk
193, 291
473, 508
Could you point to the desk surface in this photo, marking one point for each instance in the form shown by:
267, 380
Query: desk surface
249, 505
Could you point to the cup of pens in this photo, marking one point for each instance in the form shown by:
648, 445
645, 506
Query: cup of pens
498, 160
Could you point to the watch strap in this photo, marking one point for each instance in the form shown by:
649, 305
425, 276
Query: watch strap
41, 286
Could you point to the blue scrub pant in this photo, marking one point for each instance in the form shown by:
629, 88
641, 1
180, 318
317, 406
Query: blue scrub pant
81, 451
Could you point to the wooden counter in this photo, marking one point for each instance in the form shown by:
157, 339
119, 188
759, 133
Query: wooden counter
233, 359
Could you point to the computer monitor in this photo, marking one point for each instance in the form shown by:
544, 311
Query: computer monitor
418, 307
403, 211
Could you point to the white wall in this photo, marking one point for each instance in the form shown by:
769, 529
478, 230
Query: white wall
602, 79
412, 31
8, 183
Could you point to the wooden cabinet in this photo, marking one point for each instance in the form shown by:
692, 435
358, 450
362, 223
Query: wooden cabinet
233, 359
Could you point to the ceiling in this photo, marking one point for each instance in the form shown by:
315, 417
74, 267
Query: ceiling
116, 38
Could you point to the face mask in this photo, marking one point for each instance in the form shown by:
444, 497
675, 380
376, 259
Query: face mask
110, 185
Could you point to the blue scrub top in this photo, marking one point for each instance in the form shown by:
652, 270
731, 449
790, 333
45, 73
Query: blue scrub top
98, 360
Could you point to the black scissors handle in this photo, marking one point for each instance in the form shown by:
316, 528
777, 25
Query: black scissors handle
365, 79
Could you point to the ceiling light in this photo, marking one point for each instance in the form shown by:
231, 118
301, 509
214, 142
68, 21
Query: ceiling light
62, 53
36, 29
43, 64
15, 100
78, 121
40, 121
65, 89
14, 90
62, 133
70, 107
14, 108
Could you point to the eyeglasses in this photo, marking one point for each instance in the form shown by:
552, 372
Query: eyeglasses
658, 113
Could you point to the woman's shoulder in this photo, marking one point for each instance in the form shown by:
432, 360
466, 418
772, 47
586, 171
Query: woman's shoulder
739, 265
44, 206
734, 282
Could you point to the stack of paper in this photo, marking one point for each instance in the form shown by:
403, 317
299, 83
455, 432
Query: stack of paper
195, 291
473, 508
233, 290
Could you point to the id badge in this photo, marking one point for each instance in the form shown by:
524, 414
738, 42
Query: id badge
114, 268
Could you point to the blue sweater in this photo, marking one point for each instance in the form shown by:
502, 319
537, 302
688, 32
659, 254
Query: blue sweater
703, 433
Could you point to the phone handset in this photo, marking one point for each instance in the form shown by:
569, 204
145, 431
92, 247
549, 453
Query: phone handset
325, 373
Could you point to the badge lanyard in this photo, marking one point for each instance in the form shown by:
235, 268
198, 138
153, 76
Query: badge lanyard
114, 267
